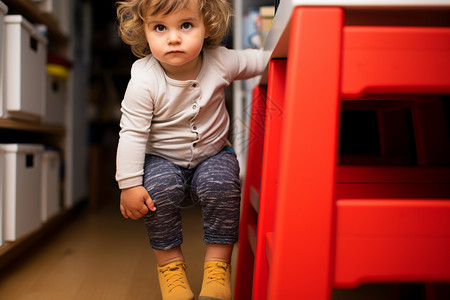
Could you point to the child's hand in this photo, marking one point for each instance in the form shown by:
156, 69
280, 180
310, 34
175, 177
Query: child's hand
135, 202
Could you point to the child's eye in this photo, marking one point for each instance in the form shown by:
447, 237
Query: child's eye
186, 26
160, 28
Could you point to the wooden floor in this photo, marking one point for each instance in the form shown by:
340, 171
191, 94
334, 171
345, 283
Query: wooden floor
99, 255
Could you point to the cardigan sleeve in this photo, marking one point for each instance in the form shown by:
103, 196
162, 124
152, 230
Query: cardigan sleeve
137, 113
242, 64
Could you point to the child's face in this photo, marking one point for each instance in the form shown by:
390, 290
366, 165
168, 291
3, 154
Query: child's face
176, 39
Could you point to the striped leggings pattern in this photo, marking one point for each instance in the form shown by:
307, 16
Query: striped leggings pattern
214, 184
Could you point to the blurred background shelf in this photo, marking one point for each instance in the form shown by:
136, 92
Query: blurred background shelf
34, 127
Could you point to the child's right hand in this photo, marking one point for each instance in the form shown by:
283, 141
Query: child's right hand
135, 202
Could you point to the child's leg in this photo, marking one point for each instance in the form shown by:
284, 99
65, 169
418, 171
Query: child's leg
218, 252
217, 186
165, 184
164, 257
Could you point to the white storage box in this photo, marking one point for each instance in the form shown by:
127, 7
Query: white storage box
3, 11
50, 200
55, 104
22, 189
25, 61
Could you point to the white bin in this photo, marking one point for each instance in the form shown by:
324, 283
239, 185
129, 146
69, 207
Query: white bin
3, 11
25, 61
22, 189
50, 200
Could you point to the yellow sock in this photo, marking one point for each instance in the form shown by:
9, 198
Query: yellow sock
173, 282
216, 281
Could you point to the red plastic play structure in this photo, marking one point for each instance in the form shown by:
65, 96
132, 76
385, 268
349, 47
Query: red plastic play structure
310, 224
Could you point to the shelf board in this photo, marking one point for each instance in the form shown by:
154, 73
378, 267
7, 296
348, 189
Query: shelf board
29, 10
30, 126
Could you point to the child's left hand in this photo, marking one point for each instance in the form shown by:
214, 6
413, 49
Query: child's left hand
135, 202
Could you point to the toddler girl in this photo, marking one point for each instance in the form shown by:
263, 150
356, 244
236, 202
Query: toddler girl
174, 127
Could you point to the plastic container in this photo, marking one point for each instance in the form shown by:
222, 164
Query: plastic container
22, 189
25, 77
3, 11
50, 199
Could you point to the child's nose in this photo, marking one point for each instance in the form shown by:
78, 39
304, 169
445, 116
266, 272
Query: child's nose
174, 37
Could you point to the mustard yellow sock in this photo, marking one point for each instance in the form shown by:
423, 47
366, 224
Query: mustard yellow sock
173, 282
216, 281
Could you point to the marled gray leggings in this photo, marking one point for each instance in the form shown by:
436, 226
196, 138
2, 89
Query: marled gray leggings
214, 183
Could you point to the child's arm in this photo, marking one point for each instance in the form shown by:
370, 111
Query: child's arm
242, 64
135, 202
137, 113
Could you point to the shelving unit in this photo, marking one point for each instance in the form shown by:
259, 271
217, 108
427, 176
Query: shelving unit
59, 43
32, 127
63, 37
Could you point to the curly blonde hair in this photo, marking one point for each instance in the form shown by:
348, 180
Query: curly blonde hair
132, 16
